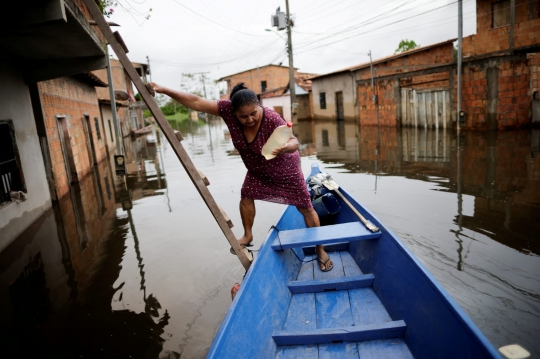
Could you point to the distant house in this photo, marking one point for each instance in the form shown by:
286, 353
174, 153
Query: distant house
346, 94
280, 99
418, 88
260, 79
47, 40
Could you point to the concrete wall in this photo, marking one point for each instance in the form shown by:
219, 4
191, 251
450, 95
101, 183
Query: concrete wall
330, 85
15, 105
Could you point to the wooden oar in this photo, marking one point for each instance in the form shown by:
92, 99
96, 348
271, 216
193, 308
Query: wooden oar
333, 186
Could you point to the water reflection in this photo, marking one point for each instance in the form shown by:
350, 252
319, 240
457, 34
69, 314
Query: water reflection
470, 212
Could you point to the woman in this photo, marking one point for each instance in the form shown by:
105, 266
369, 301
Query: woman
278, 180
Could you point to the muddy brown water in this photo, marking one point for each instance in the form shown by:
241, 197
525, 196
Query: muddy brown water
140, 269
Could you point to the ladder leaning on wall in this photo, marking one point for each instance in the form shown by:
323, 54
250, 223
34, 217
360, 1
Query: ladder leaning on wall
174, 137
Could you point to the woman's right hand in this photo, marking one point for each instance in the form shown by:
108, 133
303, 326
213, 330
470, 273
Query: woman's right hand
157, 88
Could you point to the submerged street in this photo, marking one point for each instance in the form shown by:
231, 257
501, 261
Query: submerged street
139, 268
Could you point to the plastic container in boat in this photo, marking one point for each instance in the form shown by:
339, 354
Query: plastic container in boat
277, 139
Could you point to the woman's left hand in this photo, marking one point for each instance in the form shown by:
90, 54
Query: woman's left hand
280, 150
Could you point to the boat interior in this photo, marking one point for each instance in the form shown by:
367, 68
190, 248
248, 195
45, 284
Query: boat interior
378, 301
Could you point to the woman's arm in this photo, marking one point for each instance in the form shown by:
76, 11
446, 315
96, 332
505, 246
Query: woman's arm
193, 102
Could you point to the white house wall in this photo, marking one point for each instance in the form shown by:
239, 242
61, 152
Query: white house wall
283, 101
330, 85
15, 105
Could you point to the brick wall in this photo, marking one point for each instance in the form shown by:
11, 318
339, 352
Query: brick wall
534, 71
275, 77
387, 91
513, 100
493, 39
72, 98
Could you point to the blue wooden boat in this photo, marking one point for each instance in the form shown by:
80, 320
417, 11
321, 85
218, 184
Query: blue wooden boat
377, 302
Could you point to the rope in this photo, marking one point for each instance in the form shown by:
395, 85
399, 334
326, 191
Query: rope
281, 247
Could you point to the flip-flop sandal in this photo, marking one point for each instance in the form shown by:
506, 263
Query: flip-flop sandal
242, 245
324, 263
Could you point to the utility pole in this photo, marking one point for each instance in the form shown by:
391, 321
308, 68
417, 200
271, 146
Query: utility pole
292, 84
283, 21
149, 72
113, 104
459, 59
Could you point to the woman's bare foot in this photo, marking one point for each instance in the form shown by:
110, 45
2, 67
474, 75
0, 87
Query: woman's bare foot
245, 240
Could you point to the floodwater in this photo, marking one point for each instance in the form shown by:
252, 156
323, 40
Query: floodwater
139, 268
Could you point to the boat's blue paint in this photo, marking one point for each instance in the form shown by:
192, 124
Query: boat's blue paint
295, 238
324, 285
394, 329
402, 291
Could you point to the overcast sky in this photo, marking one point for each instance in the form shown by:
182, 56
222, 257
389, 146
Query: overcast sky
228, 36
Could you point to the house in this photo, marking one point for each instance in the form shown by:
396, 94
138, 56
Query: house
280, 99
501, 66
346, 94
259, 79
45, 41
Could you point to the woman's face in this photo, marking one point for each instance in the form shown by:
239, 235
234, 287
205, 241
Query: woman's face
249, 115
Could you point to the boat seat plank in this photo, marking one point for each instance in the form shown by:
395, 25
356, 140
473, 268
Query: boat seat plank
384, 349
297, 352
350, 267
336, 233
367, 308
343, 283
389, 330
339, 350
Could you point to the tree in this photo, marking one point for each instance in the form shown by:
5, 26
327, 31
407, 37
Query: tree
406, 45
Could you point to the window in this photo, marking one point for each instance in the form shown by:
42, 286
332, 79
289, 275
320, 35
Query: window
322, 100
11, 178
263, 86
98, 132
501, 13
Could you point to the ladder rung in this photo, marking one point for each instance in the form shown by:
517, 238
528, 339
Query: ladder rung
388, 330
178, 135
342, 283
204, 178
229, 222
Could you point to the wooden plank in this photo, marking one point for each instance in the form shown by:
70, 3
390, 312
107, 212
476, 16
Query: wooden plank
178, 135
295, 238
344, 283
339, 350
205, 180
335, 247
306, 271
301, 316
167, 130
297, 352
333, 310
367, 308
389, 330
350, 268
384, 349
227, 219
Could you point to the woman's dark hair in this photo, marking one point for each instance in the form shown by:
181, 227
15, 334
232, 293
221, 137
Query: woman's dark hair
242, 96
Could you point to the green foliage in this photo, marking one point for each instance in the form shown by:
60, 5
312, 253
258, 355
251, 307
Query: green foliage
138, 97
406, 45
